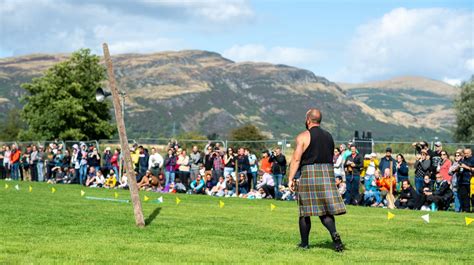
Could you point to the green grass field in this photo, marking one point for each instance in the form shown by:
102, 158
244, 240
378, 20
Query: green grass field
63, 227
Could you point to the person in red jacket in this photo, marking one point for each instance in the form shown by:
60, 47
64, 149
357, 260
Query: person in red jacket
15, 162
445, 164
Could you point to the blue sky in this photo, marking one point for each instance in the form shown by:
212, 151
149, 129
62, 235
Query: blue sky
346, 41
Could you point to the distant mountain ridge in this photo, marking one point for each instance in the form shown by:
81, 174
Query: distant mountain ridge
205, 92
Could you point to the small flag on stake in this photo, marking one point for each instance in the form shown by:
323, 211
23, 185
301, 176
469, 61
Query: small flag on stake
221, 204
426, 218
6, 186
390, 215
272, 207
469, 220
17, 187
146, 198
83, 193
177, 200
53, 190
116, 195
160, 199
30, 189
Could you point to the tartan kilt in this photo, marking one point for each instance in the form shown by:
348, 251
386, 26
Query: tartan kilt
317, 193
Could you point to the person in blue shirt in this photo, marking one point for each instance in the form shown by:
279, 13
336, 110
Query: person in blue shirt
197, 185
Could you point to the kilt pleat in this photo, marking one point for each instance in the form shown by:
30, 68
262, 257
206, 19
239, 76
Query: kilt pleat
317, 192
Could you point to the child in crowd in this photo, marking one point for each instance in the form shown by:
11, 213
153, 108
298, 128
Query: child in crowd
111, 180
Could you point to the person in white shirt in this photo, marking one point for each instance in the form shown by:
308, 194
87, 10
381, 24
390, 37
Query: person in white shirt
339, 164
267, 184
219, 189
155, 162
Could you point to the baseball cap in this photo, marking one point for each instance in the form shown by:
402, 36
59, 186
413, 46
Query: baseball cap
438, 144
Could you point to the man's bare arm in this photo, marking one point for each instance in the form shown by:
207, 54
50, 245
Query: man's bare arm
301, 145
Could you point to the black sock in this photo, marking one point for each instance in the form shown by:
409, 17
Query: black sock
305, 227
329, 222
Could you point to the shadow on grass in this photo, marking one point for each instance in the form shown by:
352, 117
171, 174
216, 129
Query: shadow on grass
152, 216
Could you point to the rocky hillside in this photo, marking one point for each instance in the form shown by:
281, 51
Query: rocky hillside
202, 91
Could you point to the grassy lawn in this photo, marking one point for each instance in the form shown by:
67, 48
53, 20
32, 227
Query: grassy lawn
63, 227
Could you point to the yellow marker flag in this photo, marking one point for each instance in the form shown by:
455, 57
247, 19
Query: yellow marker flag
83, 193
469, 220
53, 190
177, 200
390, 215
146, 198
272, 207
221, 204
116, 195
30, 189
6, 186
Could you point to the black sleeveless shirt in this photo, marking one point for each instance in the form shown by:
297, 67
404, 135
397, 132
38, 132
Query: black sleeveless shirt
320, 149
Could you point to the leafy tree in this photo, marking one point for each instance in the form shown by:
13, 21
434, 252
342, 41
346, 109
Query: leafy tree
464, 106
249, 134
12, 125
61, 103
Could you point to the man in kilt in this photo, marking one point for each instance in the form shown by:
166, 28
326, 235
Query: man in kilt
316, 189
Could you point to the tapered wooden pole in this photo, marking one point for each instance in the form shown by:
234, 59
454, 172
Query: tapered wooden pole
132, 182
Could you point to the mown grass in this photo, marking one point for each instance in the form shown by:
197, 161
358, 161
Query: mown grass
62, 227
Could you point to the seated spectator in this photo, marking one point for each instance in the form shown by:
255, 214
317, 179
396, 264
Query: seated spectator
91, 176
99, 180
408, 196
402, 169
255, 194
242, 183
197, 185
59, 176
219, 188
341, 186
111, 180
287, 194
179, 187
145, 181
229, 186
387, 185
440, 195
123, 182
266, 184
209, 184
372, 192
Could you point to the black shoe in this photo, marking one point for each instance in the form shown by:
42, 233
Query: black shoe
302, 246
337, 242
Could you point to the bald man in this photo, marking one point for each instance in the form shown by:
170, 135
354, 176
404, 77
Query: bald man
316, 191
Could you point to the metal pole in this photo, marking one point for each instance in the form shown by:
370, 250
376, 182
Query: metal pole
132, 182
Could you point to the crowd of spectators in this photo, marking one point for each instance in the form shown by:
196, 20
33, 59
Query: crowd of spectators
438, 183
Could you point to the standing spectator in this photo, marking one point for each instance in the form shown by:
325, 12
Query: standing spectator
93, 159
76, 163
34, 163
252, 175
183, 167
6, 162
266, 165
243, 164
143, 158
66, 159
170, 166
436, 159
155, 162
353, 167
422, 168
217, 165
114, 162
444, 166
402, 169
84, 166
388, 162
25, 164
466, 168
455, 174
40, 163
408, 196
278, 161
3, 172
15, 157
370, 165
208, 160
107, 159
338, 164
195, 160
229, 162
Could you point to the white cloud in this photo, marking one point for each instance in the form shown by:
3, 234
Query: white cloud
432, 42
28, 26
452, 81
277, 54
